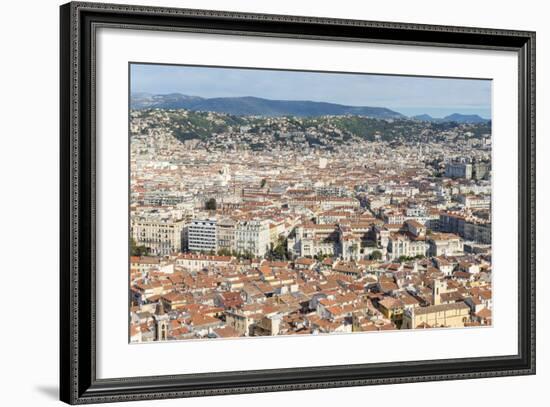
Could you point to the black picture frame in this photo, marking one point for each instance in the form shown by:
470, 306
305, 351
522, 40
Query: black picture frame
78, 381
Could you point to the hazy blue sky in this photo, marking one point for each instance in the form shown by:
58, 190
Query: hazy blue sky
409, 95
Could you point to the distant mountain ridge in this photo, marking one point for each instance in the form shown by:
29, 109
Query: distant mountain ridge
455, 117
254, 106
423, 117
465, 118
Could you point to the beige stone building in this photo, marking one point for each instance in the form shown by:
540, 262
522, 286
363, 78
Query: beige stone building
239, 321
225, 235
162, 236
453, 315
401, 244
445, 244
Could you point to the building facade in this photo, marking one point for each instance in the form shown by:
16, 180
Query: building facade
402, 245
445, 244
252, 237
312, 240
458, 170
201, 235
161, 236
225, 235
468, 227
454, 315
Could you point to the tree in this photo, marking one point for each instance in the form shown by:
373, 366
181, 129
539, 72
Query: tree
245, 255
211, 204
262, 184
136, 250
322, 256
225, 252
279, 252
376, 255
401, 259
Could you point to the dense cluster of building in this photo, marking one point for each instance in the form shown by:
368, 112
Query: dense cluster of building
374, 235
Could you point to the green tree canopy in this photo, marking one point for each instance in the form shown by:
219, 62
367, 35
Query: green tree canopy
211, 204
138, 250
376, 255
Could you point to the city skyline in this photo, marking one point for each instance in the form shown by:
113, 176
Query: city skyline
253, 217
408, 95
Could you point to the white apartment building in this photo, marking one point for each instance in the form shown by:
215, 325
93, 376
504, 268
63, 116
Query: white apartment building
168, 198
401, 245
163, 236
475, 201
416, 211
393, 217
201, 235
445, 244
252, 237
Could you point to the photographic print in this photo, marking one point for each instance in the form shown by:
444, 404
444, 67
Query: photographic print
278, 202
275, 189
